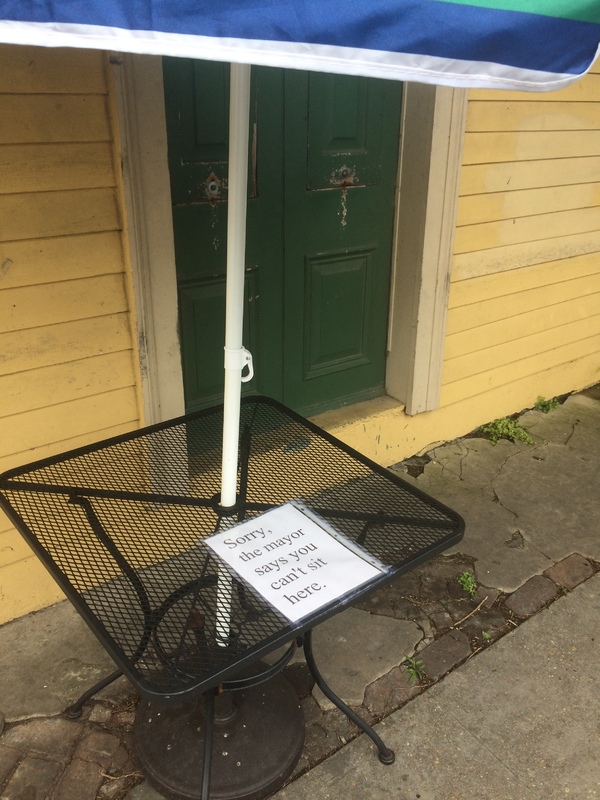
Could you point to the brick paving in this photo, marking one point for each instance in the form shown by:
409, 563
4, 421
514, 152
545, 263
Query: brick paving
571, 571
445, 653
59, 759
534, 595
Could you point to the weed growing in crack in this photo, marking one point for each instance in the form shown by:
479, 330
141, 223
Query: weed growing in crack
543, 405
414, 668
468, 583
506, 428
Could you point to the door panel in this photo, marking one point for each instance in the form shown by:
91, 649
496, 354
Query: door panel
198, 111
322, 154
338, 240
202, 328
197, 102
337, 286
344, 133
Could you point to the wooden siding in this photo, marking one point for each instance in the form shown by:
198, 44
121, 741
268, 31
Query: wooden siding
68, 365
524, 308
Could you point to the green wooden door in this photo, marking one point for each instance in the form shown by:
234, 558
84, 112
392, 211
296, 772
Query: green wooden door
197, 106
322, 153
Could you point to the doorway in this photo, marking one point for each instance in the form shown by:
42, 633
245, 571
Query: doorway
321, 192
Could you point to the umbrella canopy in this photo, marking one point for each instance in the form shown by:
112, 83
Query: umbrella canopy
518, 44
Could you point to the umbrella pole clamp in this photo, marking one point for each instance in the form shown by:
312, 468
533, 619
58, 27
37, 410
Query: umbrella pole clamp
236, 359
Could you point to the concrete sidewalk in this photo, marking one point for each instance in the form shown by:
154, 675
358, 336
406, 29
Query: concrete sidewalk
506, 708
519, 722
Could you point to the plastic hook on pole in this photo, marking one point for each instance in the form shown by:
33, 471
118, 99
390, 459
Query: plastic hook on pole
238, 359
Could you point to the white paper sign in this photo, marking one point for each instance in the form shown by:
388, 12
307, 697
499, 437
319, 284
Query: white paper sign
295, 561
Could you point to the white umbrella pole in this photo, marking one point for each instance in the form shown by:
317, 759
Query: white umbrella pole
236, 357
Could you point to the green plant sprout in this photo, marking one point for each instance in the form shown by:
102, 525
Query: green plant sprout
467, 581
543, 405
506, 428
486, 635
414, 668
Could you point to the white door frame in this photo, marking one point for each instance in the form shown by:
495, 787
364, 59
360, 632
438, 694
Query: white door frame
432, 135
433, 122
149, 231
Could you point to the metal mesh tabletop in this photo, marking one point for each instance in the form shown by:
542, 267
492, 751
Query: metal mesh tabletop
121, 527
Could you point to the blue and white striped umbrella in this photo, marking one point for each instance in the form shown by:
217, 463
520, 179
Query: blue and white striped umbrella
518, 44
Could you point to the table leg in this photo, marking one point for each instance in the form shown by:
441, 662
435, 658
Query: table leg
74, 711
386, 755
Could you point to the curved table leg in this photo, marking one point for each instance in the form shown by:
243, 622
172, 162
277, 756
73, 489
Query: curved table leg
74, 711
386, 755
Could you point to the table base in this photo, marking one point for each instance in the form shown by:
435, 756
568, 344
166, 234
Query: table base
258, 736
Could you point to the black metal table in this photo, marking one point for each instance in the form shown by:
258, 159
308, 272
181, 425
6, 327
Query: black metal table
121, 526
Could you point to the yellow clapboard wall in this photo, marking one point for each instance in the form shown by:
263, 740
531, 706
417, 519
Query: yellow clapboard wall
524, 308
68, 363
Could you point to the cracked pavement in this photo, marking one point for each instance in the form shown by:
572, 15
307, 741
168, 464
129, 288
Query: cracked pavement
538, 502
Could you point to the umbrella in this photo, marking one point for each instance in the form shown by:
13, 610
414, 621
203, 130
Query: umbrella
518, 44
504, 44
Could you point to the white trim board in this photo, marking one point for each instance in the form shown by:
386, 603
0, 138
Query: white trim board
139, 81
433, 124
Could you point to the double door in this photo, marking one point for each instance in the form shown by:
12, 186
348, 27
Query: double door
322, 152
